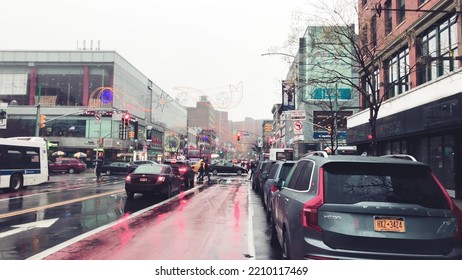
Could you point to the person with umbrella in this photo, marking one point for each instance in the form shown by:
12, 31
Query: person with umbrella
98, 167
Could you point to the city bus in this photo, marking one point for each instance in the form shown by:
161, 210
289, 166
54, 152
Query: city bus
23, 162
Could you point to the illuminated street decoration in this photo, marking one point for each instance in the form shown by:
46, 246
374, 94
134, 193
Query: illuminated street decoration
221, 100
162, 101
106, 96
101, 96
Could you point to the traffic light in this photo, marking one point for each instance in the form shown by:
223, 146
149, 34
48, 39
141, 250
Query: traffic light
131, 134
271, 141
125, 120
42, 121
238, 136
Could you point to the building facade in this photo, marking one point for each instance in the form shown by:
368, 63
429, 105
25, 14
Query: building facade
83, 95
417, 73
319, 83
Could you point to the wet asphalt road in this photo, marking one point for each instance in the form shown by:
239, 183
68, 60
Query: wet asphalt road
73, 217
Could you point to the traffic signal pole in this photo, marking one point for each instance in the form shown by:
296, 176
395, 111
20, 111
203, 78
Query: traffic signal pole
37, 116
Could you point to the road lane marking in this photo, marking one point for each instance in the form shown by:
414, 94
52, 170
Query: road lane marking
122, 219
250, 237
61, 203
28, 226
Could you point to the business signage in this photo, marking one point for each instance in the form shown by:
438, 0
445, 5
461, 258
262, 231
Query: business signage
326, 135
297, 115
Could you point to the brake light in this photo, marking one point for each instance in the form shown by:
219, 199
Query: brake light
128, 179
161, 179
183, 169
274, 188
453, 208
310, 209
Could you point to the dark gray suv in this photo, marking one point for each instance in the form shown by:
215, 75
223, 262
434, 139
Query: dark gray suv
349, 207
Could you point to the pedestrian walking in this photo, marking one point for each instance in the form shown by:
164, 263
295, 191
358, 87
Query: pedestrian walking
253, 167
201, 172
98, 167
206, 170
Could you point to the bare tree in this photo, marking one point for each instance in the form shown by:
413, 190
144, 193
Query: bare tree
341, 44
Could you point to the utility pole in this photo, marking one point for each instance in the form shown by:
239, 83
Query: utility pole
37, 116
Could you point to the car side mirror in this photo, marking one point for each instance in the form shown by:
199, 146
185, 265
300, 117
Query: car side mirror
280, 184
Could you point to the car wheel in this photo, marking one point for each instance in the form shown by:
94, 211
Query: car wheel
215, 172
16, 182
130, 195
285, 246
108, 172
71, 171
239, 172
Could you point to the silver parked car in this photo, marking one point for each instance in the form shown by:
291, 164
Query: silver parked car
277, 176
360, 207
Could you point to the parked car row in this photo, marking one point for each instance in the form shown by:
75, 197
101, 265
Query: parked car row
358, 207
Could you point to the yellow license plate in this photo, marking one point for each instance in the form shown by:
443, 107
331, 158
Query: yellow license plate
393, 224
143, 179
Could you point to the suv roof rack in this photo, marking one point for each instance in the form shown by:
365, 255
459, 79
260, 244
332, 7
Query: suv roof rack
323, 154
400, 156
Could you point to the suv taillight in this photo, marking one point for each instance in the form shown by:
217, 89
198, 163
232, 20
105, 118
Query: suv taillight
310, 209
183, 169
453, 208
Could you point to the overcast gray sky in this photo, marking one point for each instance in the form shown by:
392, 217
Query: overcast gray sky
186, 47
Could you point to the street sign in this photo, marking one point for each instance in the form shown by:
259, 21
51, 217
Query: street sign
260, 142
297, 115
298, 128
98, 117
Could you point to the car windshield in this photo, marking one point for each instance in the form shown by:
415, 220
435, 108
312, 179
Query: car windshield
147, 168
349, 183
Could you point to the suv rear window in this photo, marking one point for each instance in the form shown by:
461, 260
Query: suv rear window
349, 183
